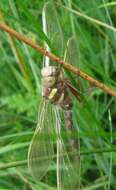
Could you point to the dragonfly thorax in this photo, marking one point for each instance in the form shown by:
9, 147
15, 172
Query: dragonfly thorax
55, 87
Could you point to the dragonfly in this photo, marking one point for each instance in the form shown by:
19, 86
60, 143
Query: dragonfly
41, 151
54, 145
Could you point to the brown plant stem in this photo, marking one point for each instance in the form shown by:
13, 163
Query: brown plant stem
53, 57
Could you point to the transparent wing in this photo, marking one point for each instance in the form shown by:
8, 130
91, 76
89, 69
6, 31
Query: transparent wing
52, 29
72, 55
72, 52
67, 173
67, 176
41, 149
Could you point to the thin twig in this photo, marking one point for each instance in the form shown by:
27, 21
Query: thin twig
57, 59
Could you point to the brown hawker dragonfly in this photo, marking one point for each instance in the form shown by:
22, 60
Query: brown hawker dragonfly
54, 147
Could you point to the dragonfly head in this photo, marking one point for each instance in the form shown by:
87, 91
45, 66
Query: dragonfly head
50, 71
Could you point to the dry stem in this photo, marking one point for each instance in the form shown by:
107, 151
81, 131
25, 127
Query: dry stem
53, 57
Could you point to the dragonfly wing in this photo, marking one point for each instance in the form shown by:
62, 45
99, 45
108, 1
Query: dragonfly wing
41, 147
72, 52
67, 174
52, 29
67, 165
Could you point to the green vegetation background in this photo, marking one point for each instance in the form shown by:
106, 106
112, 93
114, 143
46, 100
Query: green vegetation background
20, 89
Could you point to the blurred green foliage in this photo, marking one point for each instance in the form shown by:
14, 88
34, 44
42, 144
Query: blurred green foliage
20, 84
